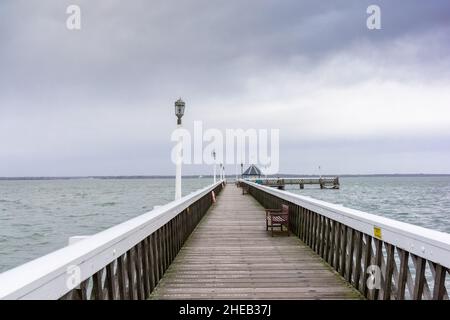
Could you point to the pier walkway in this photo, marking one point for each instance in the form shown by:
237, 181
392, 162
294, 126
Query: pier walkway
212, 244
230, 255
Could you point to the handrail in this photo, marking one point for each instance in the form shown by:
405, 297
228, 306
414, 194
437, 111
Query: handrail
427, 243
381, 257
47, 277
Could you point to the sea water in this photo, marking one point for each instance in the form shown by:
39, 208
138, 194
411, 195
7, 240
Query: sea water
38, 216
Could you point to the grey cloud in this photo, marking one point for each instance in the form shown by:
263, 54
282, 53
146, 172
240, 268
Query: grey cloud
132, 59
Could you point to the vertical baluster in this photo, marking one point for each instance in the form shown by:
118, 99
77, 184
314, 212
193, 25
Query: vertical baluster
163, 249
403, 274
155, 259
420, 277
332, 238
313, 230
310, 228
344, 250
148, 273
122, 277
180, 231
97, 293
111, 281
303, 226
337, 247
349, 263
358, 259
169, 243
306, 232
140, 271
367, 259
131, 275
173, 241
317, 232
177, 233
439, 282
326, 238
81, 293
387, 290
378, 257
293, 220
159, 252
174, 238
323, 240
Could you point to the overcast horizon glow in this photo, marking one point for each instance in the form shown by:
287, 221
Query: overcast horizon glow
99, 101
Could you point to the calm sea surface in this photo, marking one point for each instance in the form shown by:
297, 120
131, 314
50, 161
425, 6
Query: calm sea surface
37, 217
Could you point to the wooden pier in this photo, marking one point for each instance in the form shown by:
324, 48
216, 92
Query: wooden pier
213, 244
230, 255
280, 183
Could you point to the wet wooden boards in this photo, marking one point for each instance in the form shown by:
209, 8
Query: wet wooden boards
230, 255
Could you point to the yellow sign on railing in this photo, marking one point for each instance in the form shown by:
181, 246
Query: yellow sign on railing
377, 232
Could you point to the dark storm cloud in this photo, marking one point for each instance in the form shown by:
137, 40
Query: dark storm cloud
140, 55
142, 48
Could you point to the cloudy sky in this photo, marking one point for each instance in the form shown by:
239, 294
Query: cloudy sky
99, 101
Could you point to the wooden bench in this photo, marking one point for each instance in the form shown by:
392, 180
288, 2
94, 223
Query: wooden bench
277, 218
245, 188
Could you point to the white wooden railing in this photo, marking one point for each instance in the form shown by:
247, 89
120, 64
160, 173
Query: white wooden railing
123, 262
381, 257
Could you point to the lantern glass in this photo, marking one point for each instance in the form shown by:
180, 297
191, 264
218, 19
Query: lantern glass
179, 108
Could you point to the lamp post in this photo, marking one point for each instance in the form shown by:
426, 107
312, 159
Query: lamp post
214, 157
179, 112
220, 172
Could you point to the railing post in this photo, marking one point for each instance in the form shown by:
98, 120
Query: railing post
420, 277
351, 244
387, 290
367, 259
344, 250
439, 282
358, 260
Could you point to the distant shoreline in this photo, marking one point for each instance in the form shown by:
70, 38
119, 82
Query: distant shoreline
229, 176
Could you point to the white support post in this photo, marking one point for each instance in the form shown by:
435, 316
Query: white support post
178, 168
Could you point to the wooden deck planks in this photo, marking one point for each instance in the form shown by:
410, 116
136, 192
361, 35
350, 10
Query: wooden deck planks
230, 255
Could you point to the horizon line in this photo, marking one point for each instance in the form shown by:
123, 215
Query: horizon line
210, 175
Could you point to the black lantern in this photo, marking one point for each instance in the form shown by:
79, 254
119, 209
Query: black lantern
179, 110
